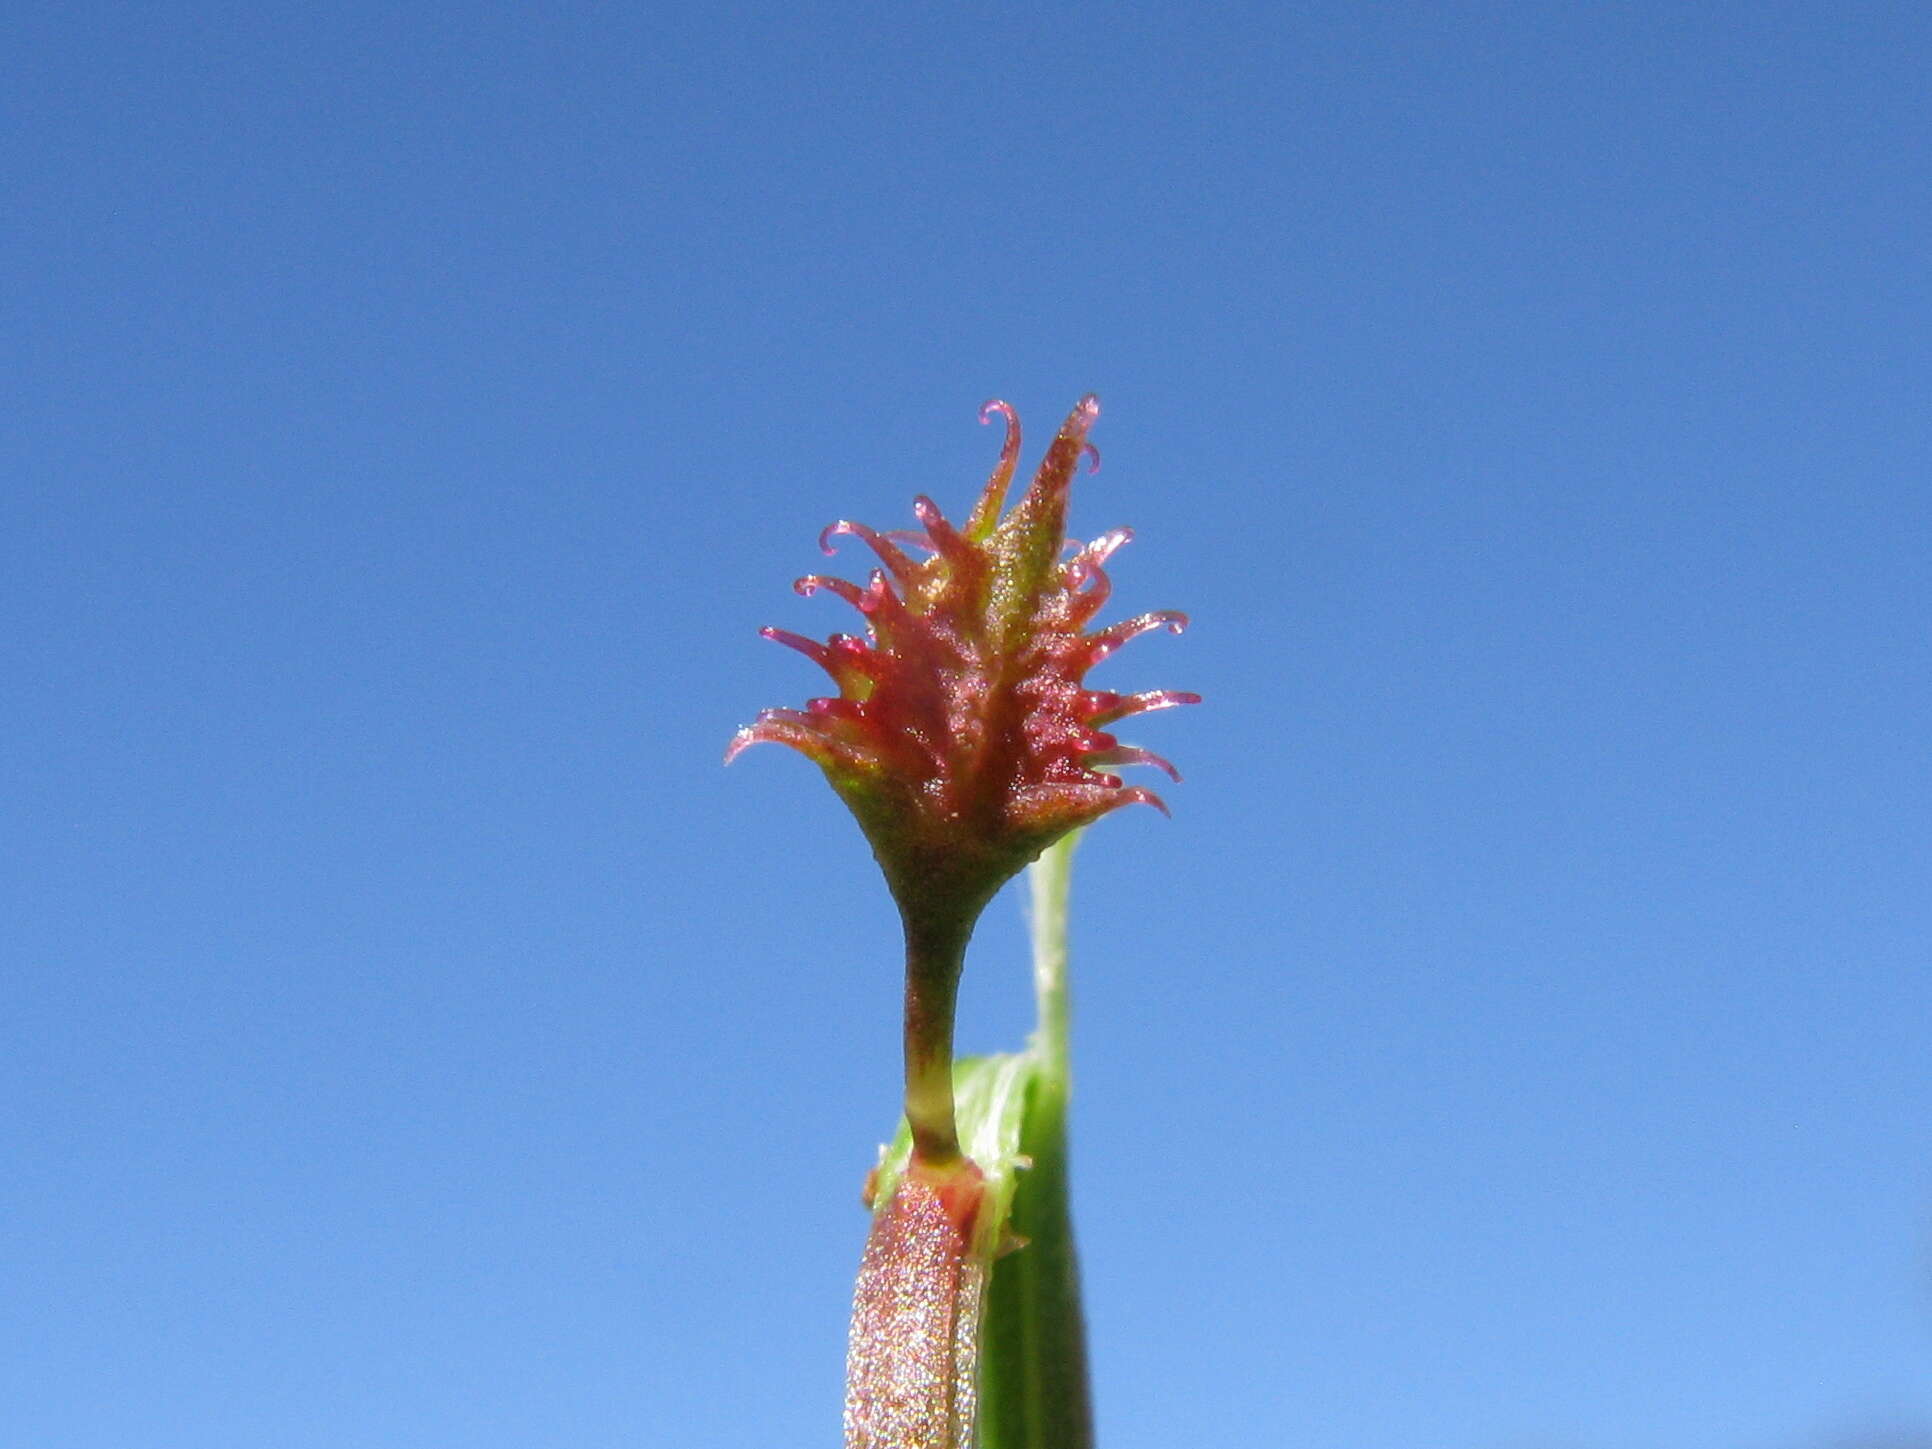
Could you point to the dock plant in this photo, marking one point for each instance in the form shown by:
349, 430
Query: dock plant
966, 742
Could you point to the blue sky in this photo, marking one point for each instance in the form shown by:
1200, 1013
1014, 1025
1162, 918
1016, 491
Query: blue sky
414, 1037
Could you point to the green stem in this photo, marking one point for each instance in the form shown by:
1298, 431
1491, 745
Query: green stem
935, 954
1051, 882
1034, 1390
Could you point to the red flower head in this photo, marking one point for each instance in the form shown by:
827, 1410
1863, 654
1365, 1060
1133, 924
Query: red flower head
962, 735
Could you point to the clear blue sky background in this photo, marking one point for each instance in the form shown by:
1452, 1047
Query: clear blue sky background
412, 1036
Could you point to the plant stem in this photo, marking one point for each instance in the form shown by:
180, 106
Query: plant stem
1050, 880
935, 954
1034, 1390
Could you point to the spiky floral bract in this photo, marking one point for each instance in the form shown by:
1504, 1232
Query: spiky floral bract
962, 736
965, 740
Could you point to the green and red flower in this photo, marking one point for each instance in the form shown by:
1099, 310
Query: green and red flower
963, 736
965, 739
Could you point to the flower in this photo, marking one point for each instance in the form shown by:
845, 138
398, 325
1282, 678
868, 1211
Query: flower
963, 736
